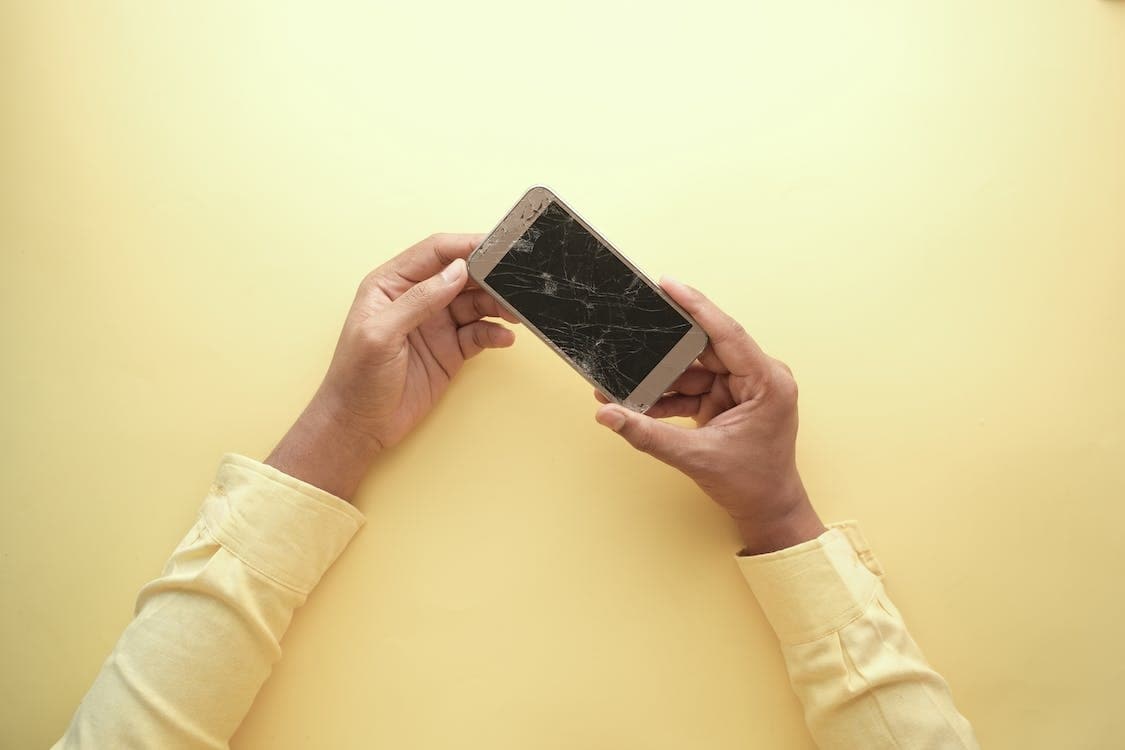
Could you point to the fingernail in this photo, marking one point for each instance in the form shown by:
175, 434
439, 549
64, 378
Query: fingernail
613, 418
452, 272
665, 280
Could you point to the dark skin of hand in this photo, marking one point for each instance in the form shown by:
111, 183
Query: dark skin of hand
416, 320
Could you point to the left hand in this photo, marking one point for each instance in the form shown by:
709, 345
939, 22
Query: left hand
414, 322
743, 453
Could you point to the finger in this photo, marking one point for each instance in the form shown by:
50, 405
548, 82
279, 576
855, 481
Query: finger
694, 381
711, 361
717, 401
675, 405
414, 306
483, 334
474, 304
730, 342
424, 259
660, 440
602, 398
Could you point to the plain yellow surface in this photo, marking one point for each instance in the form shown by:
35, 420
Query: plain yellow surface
919, 206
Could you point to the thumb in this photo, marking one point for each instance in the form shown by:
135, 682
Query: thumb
658, 439
414, 306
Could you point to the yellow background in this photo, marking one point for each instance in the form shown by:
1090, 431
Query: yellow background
919, 206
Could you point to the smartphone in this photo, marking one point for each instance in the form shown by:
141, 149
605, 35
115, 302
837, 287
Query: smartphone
586, 300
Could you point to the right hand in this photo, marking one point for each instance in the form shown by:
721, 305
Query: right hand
414, 322
743, 451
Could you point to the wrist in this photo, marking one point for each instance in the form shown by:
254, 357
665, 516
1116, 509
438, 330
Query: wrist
325, 448
795, 521
341, 425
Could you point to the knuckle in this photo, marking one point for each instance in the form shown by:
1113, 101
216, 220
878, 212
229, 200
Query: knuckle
480, 304
784, 385
372, 337
730, 330
420, 295
641, 437
735, 330
436, 241
370, 281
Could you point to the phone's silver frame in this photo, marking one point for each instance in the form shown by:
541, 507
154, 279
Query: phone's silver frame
513, 226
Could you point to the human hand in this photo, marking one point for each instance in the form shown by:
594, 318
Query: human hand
743, 451
412, 325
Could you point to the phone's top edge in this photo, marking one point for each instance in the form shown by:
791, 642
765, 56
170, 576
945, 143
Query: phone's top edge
497, 241
538, 187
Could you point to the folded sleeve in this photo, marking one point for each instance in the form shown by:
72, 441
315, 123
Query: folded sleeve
207, 631
861, 678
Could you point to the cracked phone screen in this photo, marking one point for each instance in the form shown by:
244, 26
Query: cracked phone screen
604, 317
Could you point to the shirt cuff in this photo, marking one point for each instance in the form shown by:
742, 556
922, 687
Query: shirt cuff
817, 587
286, 529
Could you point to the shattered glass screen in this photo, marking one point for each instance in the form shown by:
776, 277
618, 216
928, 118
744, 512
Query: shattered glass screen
591, 305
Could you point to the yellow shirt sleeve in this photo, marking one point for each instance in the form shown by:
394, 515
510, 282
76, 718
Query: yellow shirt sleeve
861, 678
206, 632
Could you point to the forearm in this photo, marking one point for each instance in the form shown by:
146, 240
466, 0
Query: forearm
207, 631
860, 676
324, 448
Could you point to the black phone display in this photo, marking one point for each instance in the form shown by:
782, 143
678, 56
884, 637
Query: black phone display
603, 316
